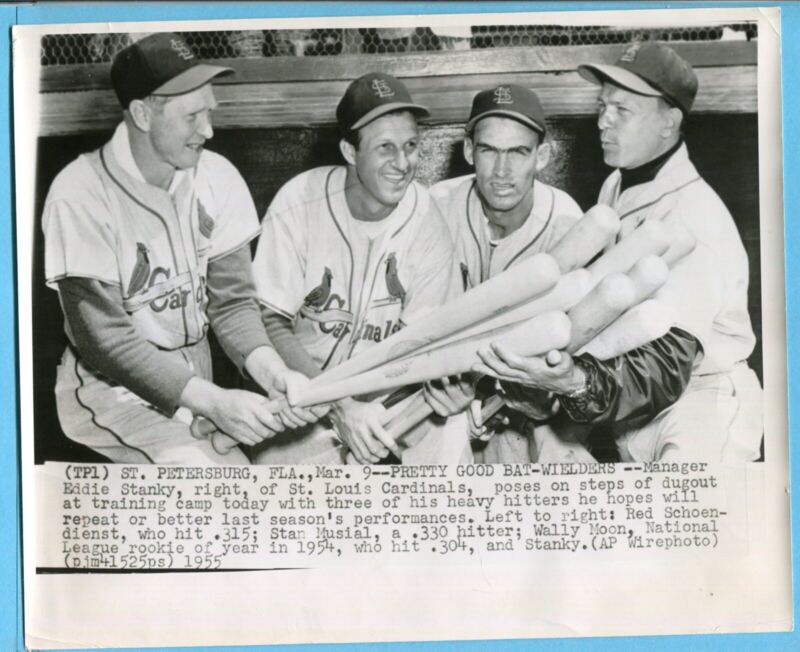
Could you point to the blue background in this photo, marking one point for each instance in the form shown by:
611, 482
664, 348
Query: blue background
11, 633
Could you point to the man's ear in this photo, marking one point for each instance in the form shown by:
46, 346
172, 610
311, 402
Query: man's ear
543, 153
141, 114
677, 118
348, 151
468, 153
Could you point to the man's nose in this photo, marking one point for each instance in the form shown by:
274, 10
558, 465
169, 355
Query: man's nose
604, 120
204, 127
501, 164
401, 160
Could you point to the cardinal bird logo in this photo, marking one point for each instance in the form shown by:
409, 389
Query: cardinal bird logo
319, 295
141, 270
393, 284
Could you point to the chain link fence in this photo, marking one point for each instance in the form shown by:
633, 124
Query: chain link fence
70, 49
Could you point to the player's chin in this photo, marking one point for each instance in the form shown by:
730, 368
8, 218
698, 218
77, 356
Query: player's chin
190, 156
391, 193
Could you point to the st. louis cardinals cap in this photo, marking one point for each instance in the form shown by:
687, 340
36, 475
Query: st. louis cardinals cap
510, 101
371, 96
159, 64
649, 68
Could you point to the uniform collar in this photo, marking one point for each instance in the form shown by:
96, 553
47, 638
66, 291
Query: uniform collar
648, 171
677, 172
121, 148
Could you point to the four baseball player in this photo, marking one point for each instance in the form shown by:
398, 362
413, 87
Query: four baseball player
147, 243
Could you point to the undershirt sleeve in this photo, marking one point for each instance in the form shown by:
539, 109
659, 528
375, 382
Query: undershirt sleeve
107, 341
635, 387
232, 307
287, 344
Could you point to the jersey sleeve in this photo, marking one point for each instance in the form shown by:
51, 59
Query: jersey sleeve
235, 212
78, 234
635, 387
437, 280
279, 266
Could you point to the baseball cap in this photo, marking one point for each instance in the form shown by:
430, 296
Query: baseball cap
511, 101
371, 96
159, 64
648, 68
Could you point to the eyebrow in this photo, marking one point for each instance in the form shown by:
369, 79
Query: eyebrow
500, 149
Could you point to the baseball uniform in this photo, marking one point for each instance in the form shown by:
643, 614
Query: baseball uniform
347, 284
480, 257
103, 222
719, 414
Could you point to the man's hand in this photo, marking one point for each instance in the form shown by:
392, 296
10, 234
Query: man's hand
360, 427
245, 416
449, 396
290, 383
556, 373
266, 367
477, 427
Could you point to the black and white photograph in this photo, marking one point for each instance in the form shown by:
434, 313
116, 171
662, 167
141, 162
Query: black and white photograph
392, 265
293, 250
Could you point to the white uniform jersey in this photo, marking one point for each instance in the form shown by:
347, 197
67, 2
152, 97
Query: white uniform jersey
345, 285
103, 221
479, 257
707, 290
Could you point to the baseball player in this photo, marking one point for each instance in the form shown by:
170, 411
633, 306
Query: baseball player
146, 242
689, 394
348, 255
499, 216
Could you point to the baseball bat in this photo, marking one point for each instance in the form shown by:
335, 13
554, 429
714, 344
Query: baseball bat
224, 443
612, 296
638, 326
586, 238
570, 289
650, 237
528, 279
532, 337
647, 275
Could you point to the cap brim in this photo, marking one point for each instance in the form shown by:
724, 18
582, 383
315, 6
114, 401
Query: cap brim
514, 115
383, 109
599, 73
192, 79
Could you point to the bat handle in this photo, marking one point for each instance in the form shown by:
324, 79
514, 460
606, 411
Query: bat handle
402, 417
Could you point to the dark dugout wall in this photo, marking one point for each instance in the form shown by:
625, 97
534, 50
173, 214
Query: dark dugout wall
724, 147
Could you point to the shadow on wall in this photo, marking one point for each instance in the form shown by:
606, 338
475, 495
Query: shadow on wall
724, 149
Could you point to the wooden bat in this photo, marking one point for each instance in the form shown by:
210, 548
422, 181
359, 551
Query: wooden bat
528, 279
586, 238
569, 290
612, 296
638, 326
399, 412
650, 237
647, 275
533, 337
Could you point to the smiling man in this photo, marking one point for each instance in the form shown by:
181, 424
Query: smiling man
146, 241
348, 255
689, 395
499, 216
